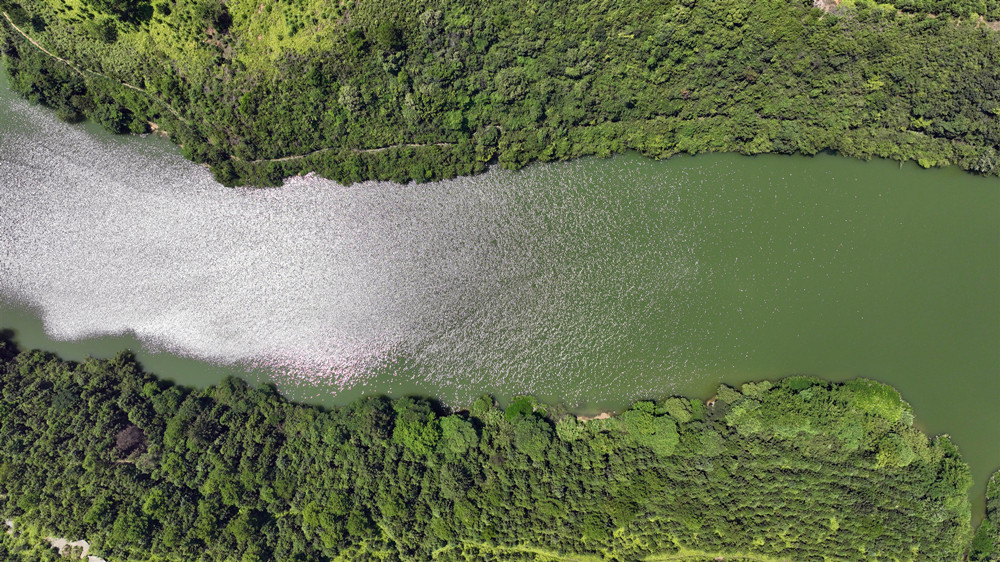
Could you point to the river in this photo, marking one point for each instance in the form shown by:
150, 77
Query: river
594, 282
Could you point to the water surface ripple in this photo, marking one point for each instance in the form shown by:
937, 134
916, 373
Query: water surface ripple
513, 277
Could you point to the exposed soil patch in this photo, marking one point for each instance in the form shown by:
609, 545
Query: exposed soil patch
131, 440
829, 6
826, 5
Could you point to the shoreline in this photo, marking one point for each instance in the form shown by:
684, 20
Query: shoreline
601, 416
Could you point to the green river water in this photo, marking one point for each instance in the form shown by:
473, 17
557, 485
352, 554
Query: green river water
593, 283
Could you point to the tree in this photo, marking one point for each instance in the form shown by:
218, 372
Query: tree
458, 435
532, 437
126, 10
417, 427
389, 37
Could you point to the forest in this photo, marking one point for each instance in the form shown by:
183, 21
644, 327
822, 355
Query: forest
427, 89
794, 469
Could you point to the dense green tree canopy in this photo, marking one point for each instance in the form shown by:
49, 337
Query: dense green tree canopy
424, 89
796, 469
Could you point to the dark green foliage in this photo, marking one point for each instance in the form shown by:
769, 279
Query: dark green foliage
75, 97
426, 89
126, 10
16, 12
389, 37
519, 408
142, 468
103, 29
112, 116
213, 13
679, 408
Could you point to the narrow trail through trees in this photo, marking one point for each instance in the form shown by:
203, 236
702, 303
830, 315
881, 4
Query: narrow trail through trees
356, 150
84, 71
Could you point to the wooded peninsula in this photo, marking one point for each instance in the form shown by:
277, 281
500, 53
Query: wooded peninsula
422, 90
796, 469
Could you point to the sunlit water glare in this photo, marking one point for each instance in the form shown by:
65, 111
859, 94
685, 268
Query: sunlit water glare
520, 279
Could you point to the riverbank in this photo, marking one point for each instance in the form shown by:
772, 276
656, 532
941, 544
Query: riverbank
400, 112
665, 466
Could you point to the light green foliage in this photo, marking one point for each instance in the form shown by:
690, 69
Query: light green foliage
894, 451
728, 394
711, 443
481, 405
659, 433
698, 409
155, 503
756, 389
679, 409
663, 438
569, 429
878, 399
877, 422
417, 428
350, 98
532, 437
237, 473
851, 431
799, 383
458, 435
22, 544
745, 417
645, 406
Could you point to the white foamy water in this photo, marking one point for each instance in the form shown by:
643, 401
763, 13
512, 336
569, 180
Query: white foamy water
512, 278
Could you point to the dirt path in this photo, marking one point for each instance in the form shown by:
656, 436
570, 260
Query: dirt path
994, 25
826, 5
62, 545
39, 47
84, 71
355, 150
